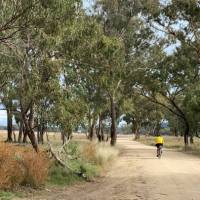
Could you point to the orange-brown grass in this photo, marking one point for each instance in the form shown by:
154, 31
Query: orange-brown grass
22, 166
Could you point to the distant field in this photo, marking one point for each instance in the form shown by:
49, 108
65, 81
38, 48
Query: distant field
3, 135
54, 137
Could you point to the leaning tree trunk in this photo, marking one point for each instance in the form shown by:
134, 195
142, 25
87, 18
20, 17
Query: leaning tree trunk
9, 125
113, 133
31, 133
38, 132
25, 135
187, 126
29, 127
63, 137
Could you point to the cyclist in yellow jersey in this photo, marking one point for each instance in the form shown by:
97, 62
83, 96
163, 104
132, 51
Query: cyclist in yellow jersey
159, 142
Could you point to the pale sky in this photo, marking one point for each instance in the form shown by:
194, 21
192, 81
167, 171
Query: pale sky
3, 118
87, 3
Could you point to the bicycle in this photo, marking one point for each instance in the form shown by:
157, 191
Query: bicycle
159, 151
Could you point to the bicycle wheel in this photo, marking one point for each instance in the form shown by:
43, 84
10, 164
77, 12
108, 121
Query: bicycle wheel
159, 152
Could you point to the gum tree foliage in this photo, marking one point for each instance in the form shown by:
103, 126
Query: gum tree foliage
122, 19
168, 84
96, 60
29, 33
142, 113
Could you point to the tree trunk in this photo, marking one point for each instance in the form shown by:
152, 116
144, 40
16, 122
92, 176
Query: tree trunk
101, 130
186, 133
31, 133
9, 125
14, 135
63, 137
135, 128
42, 137
175, 132
20, 132
191, 139
157, 128
100, 133
41, 127
91, 132
38, 133
184, 118
89, 124
29, 127
113, 133
137, 132
25, 136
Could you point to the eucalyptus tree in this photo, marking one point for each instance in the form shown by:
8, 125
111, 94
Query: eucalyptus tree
35, 27
13, 19
122, 19
176, 27
96, 60
142, 113
191, 103
7, 98
167, 80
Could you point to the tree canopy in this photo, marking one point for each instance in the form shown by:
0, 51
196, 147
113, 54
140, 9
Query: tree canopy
63, 66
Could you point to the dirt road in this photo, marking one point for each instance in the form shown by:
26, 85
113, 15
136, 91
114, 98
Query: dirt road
139, 175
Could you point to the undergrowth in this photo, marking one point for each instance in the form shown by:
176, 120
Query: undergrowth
85, 162
21, 167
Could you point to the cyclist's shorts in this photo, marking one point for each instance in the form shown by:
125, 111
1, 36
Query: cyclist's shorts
159, 144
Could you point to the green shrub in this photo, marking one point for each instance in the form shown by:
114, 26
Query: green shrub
9, 195
61, 177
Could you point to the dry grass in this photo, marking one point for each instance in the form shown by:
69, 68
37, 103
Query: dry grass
106, 154
21, 166
100, 154
89, 151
